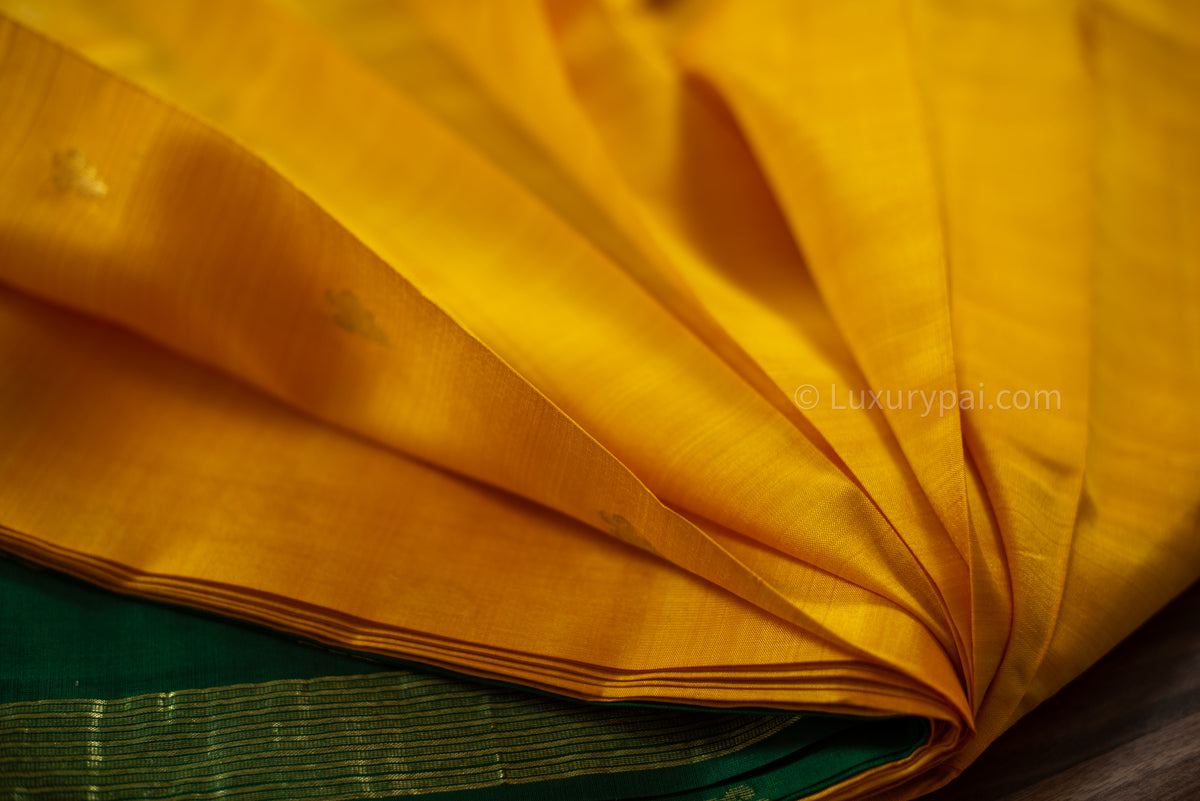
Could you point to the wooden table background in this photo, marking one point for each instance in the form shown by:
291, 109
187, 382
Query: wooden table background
1128, 728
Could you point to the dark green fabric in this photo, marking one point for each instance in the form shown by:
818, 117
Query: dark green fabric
172, 704
63, 638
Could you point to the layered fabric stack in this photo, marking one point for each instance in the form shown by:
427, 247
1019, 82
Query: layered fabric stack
583, 399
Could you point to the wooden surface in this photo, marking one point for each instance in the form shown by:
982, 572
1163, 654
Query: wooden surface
1128, 728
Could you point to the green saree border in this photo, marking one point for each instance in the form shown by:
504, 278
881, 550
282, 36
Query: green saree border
267, 716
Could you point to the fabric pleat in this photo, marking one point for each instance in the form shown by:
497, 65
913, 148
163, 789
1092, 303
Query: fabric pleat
783, 356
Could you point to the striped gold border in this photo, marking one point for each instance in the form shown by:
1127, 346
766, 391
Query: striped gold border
372, 736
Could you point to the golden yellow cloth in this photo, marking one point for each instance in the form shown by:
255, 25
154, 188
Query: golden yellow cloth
867, 332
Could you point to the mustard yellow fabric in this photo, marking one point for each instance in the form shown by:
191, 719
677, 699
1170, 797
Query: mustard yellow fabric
838, 357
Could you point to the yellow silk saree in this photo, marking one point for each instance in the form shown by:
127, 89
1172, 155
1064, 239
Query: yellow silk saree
831, 359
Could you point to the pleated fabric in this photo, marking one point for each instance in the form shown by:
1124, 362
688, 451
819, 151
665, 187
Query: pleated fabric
836, 358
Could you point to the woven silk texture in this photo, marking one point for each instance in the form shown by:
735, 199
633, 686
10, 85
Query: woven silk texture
719, 400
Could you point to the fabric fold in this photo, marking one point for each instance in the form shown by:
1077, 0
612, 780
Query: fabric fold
829, 363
